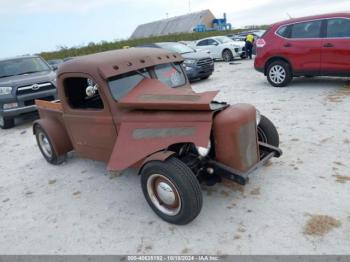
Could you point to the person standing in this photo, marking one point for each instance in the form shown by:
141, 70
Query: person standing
249, 41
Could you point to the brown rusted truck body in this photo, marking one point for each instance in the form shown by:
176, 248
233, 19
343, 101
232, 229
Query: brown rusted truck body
150, 121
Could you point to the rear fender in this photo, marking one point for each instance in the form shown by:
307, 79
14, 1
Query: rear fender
139, 141
57, 134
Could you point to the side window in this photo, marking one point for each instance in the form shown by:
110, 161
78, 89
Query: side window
121, 85
283, 31
310, 29
203, 43
170, 74
82, 93
212, 42
338, 27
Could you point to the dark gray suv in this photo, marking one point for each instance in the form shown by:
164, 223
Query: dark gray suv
22, 80
197, 65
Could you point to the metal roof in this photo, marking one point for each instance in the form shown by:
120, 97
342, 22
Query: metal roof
173, 25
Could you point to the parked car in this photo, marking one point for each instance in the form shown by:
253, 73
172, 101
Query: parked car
308, 46
55, 63
198, 65
222, 47
135, 108
22, 80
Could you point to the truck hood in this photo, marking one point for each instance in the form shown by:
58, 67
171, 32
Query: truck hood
196, 55
28, 79
152, 94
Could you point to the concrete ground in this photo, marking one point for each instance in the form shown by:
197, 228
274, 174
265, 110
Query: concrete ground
80, 208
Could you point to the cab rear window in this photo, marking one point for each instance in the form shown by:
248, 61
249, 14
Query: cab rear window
170, 74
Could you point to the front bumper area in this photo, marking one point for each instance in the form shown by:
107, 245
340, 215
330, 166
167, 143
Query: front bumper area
199, 72
243, 177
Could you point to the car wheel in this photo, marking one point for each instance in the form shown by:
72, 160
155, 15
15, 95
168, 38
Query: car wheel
6, 123
46, 147
227, 55
267, 132
172, 190
279, 74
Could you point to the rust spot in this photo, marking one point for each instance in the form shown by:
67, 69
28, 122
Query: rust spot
115, 67
319, 225
142, 61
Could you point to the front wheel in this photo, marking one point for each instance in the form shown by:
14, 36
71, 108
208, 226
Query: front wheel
172, 190
267, 132
227, 55
279, 74
6, 123
46, 148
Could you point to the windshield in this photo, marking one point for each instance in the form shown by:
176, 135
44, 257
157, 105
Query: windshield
21, 66
177, 47
223, 39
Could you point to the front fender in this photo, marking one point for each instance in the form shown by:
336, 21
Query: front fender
56, 133
137, 141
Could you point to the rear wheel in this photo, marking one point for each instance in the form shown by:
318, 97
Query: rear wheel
46, 147
279, 74
172, 190
227, 55
6, 122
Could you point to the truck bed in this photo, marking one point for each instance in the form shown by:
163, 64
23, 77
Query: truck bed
50, 109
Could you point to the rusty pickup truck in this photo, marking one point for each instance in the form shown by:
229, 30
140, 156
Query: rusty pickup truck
135, 108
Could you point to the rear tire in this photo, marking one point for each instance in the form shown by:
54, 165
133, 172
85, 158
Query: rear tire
46, 148
279, 74
227, 55
172, 190
6, 122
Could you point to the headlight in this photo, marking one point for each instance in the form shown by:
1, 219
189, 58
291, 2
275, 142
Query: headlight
258, 117
189, 62
203, 151
5, 90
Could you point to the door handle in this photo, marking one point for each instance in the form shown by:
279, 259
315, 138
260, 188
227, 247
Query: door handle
328, 45
287, 45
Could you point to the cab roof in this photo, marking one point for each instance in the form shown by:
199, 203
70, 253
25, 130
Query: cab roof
116, 62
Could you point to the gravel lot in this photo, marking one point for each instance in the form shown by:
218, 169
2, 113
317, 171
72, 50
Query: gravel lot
81, 208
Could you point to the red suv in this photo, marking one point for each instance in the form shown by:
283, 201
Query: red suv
308, 46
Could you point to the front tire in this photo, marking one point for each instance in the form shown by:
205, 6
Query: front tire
6, 122
172, 190
279, 74
227, 55
46, 148
267, 132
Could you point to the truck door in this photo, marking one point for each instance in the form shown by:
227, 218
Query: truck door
88, 118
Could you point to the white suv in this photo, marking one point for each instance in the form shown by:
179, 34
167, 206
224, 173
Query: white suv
222, 47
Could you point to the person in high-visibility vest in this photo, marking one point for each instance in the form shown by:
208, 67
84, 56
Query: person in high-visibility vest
249, 40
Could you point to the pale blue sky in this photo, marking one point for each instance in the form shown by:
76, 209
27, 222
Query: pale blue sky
31, 26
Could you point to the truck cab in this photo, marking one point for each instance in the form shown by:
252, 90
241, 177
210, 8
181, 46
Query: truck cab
134, 108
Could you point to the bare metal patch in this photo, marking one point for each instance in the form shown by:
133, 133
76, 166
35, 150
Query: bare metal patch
141, 133
169, 97
248, 145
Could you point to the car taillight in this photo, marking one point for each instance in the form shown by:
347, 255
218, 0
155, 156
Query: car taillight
260, 43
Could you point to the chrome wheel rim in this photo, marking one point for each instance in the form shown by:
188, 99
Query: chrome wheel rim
277, 74
261, 135
163, 194
45, 144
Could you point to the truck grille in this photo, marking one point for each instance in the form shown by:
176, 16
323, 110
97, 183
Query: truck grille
248, 144
205, 63
30, 89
